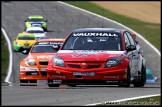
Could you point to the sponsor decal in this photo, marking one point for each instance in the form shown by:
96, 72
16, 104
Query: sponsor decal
95, 34
44, 57
57, 72
28, 69
49, 43
84, 73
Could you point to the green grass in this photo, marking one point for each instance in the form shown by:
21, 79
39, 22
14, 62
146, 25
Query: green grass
150, 31
4, 58
149, 101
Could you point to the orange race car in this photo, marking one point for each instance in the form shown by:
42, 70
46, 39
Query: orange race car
33, 67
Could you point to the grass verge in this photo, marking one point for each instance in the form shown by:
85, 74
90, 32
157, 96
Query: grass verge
150, 31
4, 58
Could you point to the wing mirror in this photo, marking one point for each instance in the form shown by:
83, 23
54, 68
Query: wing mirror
130, 48
136, 41
134, 37
25, 51
57, 47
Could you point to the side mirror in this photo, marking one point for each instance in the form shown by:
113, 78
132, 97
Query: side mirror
134, 36
25, 51
57, 47
136, 41
130, 48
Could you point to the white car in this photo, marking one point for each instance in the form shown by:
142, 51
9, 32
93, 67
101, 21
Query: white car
38, 32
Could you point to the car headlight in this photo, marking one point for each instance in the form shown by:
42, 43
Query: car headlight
18, 44
113, 61
30, 62
57, 61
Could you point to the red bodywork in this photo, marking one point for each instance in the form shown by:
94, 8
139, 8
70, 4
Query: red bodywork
92, 62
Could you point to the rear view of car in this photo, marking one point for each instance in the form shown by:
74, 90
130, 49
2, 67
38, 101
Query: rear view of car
23, 41
33, 67
37, 20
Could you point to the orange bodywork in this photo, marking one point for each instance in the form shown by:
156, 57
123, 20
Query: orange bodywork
33, 67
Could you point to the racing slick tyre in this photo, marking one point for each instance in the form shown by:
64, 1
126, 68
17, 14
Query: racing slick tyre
72, 85
127, 82
23, 81
142, 79
52, 85
45, 29
33, 81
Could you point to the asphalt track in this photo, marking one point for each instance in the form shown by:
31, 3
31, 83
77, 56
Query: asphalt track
62, 20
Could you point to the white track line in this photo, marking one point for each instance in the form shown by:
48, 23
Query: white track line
10, 58
156, 50
126, 99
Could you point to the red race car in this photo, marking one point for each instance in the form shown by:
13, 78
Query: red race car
33, 67
97, 56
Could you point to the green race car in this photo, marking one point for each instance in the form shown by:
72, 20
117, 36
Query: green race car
36, 20
23, 41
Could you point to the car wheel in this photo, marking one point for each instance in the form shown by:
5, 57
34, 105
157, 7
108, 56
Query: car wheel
23, 81
33, 81
127, 82
45, 29
72, 85
142, 79
52, 85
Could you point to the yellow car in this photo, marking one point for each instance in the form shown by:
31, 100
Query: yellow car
23, 41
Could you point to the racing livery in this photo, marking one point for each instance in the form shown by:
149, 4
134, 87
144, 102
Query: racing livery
36, 20
23, 41
98, 56
33, 67
37, 31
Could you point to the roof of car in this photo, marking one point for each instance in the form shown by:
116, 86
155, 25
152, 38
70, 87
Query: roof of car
98, 29
25, 34
34, 28
35, 16
48, 40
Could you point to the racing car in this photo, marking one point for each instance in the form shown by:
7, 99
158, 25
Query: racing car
36, 19
37, 31
33, 67
23, 41
97, 56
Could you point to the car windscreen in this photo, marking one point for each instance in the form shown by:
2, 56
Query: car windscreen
39, 38
94, 41
26, 38
35, 20
45, 47
35, 31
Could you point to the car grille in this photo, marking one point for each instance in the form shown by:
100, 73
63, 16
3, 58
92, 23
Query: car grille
43, 62
74, 66
26, 44
93, 66
87, 66
44, 73
32, 73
